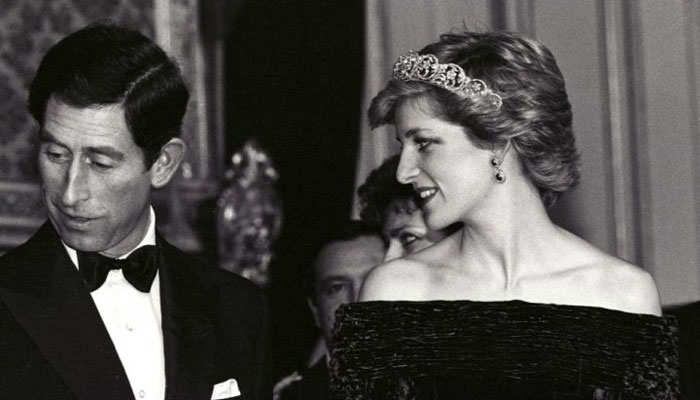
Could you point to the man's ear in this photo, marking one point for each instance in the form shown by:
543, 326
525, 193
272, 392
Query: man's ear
314, 311
164, 168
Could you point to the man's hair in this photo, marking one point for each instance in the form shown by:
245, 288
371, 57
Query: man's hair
104, 64
535, 115
343, 232
381, 189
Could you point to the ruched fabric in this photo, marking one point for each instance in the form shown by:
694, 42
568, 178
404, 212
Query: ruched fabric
501, 350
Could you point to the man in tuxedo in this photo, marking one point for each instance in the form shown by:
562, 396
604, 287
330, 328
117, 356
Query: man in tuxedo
97, 305
341, 264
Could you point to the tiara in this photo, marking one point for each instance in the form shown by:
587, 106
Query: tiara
427, 69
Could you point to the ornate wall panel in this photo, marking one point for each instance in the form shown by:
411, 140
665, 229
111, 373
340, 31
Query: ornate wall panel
185, 207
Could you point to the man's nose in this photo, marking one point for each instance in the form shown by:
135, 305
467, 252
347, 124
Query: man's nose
406, 170
76, 186
354, 293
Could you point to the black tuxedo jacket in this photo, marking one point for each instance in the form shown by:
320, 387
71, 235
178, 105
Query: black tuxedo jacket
312, 386
53, 344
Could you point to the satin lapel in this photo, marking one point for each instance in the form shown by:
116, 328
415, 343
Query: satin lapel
56, 310
188, 328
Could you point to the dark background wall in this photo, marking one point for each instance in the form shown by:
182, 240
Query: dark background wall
293, 82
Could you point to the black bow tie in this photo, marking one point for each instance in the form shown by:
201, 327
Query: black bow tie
139, 268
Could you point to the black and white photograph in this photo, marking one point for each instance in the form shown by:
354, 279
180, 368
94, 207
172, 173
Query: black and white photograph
350, 200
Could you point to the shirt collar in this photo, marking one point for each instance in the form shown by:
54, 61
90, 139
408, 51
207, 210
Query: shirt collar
148, 239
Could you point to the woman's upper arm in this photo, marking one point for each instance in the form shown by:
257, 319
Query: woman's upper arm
640, 293
649, 295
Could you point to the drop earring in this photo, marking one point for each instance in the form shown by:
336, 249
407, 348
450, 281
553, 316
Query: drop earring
497, 171
496, 161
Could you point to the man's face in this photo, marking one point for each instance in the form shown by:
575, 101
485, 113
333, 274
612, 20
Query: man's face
341, 268
94, 181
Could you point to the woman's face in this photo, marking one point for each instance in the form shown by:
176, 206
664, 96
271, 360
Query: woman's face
452, 176
405, 231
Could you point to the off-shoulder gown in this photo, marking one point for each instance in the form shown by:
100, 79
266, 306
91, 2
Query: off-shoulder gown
501, 350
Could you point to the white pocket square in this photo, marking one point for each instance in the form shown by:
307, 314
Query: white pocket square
225, 390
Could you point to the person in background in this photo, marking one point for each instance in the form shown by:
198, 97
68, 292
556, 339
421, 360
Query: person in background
341, 263
98, 305
394, 206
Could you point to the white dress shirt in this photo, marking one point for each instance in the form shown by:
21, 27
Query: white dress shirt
133, 320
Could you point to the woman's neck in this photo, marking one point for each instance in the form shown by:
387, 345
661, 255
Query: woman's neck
510, 236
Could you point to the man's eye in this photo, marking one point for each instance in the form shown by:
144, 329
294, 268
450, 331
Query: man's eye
334, 288
56, 156
100, 164
422, 143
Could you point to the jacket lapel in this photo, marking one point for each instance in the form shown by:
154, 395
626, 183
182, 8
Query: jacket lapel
189, 342
51, 302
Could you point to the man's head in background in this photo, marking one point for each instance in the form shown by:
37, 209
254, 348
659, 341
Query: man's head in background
339, 268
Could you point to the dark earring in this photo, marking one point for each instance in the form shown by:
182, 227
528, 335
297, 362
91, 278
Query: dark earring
497, 171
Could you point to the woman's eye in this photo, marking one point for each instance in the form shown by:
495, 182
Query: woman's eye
408, 238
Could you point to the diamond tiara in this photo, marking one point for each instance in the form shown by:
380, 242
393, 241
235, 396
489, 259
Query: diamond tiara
427, 69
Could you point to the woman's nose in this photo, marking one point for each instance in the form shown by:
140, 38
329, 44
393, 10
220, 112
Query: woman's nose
406, 170
395, 250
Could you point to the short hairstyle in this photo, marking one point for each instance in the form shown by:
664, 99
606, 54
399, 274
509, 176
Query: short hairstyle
535, 115
381, 189
104, 64
343, 232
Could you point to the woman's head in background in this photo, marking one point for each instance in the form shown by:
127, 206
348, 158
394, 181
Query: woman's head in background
394, 206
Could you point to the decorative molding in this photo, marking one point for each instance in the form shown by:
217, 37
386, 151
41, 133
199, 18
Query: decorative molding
515, 15
637, 108
178, 32
623, 198
179, 205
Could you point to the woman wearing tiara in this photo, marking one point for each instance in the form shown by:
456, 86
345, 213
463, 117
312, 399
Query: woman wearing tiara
511, 306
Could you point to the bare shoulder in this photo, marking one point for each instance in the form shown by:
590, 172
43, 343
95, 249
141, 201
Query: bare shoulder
399, 279
599, 279
626, 287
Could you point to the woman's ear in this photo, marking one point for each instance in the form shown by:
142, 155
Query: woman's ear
502, 152
164, 168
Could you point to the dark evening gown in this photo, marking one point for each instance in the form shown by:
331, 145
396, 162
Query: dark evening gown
501, 350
